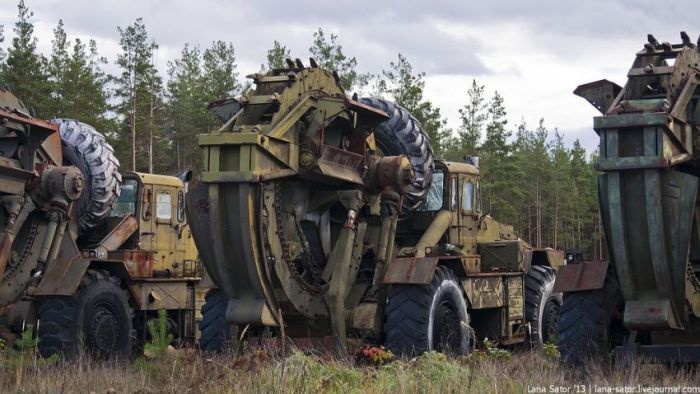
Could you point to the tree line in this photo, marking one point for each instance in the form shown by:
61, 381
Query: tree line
530, 177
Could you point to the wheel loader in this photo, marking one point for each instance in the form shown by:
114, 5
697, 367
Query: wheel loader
88, 254
326, 219
644, 301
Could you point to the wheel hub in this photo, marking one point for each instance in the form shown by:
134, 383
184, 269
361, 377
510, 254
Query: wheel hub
104, 330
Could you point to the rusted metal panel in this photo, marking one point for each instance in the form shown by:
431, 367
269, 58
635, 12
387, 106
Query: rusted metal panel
555, 257
340, 164
484, 292
365, 317
62, 277
139, 263
580, 277
52, 146
13, 178
515, 297
167, 294
31, 121
125, 229
471, 264
650, 314
600, 94
413, 270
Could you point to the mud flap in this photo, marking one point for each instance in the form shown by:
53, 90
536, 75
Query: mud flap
411, 270
580, 277
62, 277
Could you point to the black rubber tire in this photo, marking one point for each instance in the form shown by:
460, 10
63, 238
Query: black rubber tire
413, 323
542, 306
88, 150
589, 326
402, 134
216, 332
97, 318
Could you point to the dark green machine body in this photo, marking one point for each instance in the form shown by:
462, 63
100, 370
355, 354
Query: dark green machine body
291, 188
648, 192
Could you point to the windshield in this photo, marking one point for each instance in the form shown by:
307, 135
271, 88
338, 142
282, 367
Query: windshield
433, 201
126, 204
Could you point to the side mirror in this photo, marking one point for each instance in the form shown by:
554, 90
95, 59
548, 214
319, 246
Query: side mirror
186, 176
146, 211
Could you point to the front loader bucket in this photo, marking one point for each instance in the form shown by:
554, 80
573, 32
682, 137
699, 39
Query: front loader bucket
648, 215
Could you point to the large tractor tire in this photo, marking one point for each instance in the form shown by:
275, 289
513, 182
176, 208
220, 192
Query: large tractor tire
402, 134
97, 318
88, 150
590, 326
542, 306
432, 317
216, 332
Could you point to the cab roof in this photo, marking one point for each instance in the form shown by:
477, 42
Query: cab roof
153, 179
456, 167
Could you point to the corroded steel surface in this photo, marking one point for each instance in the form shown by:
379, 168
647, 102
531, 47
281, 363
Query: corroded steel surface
649, 156
581, 277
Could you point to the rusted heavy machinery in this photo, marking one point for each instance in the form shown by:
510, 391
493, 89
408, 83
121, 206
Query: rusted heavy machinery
326, 217
646, 299
87, 254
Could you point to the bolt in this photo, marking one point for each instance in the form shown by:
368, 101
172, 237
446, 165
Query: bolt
78, 184
306, 159
407, 174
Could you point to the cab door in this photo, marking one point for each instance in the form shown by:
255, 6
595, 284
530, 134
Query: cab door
166, 230
147, 225
469, 214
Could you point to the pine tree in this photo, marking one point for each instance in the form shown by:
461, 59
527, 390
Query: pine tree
329, 54
499, 170
58, 62
585, 217
473, 116
195, 79
561, 200
186, 107
276, 56
77, 82
2, 51
139, 91
24, 69
531, 155
219, 71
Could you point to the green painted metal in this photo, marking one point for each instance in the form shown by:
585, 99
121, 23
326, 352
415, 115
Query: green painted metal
295, 141
649, 187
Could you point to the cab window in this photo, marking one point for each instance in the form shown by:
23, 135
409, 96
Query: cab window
164, 210
126, 204
478, 197
468, 197
433, 201
180, 206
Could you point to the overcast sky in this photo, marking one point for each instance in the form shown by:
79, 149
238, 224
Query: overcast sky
534, 53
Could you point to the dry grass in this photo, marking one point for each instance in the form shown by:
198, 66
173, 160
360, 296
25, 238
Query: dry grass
297, 372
